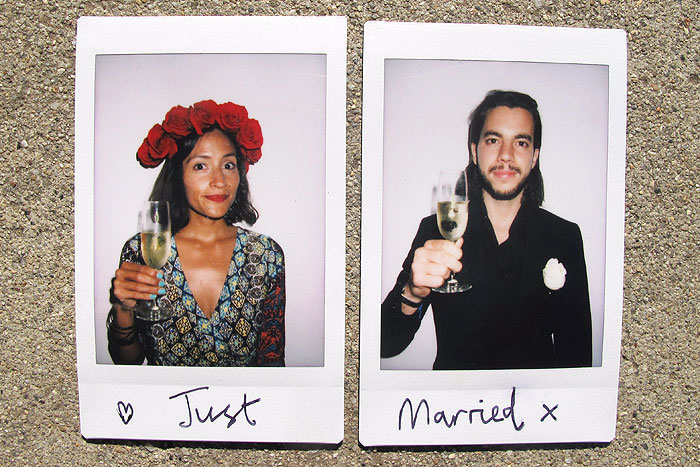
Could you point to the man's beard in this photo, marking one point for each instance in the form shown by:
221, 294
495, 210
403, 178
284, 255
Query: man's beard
501, 196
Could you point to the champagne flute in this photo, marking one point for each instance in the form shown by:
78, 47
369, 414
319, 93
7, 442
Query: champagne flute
452, 215
154, 224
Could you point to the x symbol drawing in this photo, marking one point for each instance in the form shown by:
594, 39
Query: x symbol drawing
549, 413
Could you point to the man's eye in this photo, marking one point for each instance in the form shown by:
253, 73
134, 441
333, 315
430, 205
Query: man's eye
523, 144
491, 140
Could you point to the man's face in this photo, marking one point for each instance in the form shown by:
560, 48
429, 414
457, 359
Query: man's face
505, 155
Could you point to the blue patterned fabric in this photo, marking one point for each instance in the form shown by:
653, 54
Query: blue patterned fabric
247, 325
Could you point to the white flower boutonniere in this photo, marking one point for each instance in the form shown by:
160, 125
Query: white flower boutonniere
554, 274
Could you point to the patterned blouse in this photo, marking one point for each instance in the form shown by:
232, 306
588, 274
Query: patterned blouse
247, 325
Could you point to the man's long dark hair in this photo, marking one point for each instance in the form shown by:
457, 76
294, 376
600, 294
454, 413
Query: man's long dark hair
170, 186
533, 192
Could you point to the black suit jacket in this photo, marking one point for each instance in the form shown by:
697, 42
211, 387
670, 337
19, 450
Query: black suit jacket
510, 318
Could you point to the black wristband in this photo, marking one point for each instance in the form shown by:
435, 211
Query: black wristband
408, 302
124, 341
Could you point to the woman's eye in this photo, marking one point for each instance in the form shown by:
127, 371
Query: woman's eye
230, 166
198, 166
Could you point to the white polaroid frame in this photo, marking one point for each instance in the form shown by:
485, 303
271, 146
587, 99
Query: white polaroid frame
290, 74
421, 81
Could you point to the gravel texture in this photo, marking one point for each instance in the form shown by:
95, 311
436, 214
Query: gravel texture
659, 377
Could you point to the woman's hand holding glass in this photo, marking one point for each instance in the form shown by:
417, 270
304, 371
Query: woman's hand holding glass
134, 282
154, 224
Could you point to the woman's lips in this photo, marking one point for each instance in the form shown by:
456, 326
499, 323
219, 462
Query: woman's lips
217, 198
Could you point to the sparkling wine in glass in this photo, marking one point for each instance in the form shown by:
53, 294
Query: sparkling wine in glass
452, 216
154, 224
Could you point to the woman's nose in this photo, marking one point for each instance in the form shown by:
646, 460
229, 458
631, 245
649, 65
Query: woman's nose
217, 177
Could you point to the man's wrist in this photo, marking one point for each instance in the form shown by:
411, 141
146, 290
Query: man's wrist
407, 294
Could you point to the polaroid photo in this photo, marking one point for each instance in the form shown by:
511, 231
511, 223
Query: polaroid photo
525, 348
239, 123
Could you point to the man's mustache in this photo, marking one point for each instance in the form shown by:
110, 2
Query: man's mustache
503, 166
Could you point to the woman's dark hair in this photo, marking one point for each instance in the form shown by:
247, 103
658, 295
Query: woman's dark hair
533, 192
170, 186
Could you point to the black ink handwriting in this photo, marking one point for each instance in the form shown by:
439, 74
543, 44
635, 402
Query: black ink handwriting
549, 412
450, 421
125, 411
210, 415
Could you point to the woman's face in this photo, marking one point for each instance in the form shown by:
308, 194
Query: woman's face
210, 174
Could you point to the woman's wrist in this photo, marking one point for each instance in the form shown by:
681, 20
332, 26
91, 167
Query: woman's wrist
121, 328
123, 316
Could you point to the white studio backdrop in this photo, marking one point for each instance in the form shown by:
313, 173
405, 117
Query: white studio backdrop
426, 111
286, 93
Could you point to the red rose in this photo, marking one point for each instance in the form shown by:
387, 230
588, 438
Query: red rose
250, 136
231, 117
203, 115
177, 122
143, 157
251, 155
157, 146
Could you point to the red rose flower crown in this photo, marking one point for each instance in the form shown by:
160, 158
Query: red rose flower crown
161, 141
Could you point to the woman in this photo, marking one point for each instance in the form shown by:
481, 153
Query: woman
224, 283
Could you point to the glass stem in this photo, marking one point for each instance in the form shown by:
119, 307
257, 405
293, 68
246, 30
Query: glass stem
451, 283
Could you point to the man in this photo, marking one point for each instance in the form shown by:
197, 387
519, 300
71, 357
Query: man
516, 315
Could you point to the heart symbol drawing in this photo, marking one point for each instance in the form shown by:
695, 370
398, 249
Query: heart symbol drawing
125, 411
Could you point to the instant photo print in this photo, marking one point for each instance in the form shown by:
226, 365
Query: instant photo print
421, 83
289, 73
